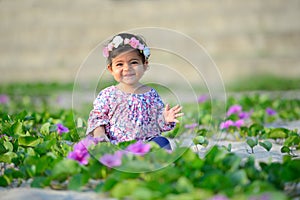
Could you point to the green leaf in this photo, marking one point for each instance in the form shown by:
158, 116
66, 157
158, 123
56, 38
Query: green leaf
252, 142
215, 155
183, 185
285, 149
292, 140
40, 182
229, 147
3, 149
255, 129
266, 144
44, 147
258, 186
278, 133
29, 141
17, 128
125, 188
4, 181
65, 168
200, 140
144, 193
108, 184
216, 181
78, 181
7, 157
238, 177
231, 162
8, 146
45, 129
21, 116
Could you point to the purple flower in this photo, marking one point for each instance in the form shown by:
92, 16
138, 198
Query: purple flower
226, 124
270, 111
234, 109
202, 98
112, 160
61, 129
219, 197
191, 126
4, 99
238, 123
81, 156
80, 150
244, 115
261, 197
2, 135
139, 148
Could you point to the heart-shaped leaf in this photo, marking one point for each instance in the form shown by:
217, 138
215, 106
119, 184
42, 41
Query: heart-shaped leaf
266, 144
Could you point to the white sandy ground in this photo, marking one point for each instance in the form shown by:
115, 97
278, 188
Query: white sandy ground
238, 147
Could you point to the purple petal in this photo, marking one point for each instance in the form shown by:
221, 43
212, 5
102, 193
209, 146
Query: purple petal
4, 99
61, 128
219, 197
80, 156
202, 98
270, 111
191, 126
234, 109
139, 148
239, 123
111, 160
226, 124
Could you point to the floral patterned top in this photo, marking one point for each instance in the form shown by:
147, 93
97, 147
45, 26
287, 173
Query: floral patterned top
127, 116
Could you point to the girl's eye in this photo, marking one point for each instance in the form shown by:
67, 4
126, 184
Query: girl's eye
134, 62
119, 64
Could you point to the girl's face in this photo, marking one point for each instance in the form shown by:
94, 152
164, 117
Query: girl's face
128, 68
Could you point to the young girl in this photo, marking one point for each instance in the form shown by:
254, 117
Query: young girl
130, 110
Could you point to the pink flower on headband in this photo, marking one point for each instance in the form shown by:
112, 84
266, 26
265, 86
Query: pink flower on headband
105, 52
141, 47
110, 46
134, 42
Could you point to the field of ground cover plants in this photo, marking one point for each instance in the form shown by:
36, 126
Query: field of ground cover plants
43, 145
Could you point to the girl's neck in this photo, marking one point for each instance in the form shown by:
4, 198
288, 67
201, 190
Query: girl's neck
133, 89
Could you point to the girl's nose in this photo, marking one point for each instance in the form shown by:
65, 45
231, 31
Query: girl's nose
126, 66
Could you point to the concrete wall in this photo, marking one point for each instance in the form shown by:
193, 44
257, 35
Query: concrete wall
47, 40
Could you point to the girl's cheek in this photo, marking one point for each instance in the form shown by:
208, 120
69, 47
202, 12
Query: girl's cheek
118, 70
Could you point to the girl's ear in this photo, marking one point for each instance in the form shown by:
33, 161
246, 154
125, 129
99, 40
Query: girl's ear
146, 66
109, 68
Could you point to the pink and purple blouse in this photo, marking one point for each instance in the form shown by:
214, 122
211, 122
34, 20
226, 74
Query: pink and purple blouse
128, 116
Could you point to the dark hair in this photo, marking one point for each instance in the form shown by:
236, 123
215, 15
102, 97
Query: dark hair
125, 47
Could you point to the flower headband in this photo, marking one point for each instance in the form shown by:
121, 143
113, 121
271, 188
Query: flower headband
133, 42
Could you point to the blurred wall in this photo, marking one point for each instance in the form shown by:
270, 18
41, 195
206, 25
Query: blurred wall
47, 40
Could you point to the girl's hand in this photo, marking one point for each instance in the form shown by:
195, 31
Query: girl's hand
99, 132
172, 114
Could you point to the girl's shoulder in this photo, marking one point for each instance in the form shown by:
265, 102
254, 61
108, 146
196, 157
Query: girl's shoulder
108, 91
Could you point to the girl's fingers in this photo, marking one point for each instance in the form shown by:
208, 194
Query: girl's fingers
177, 108
167, 107
179, 114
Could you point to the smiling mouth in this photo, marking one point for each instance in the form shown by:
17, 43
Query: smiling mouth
129, 75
